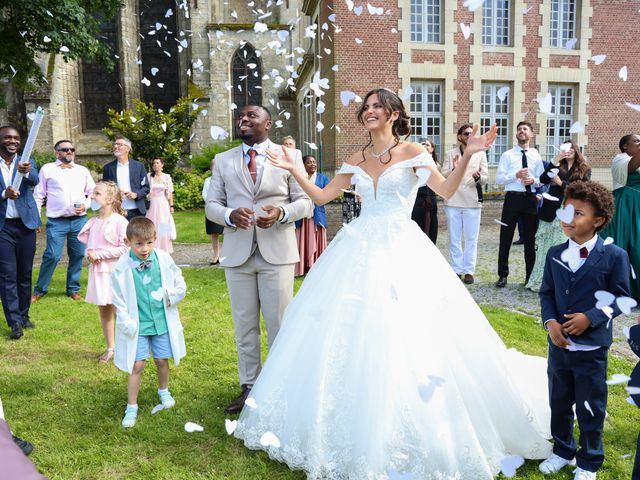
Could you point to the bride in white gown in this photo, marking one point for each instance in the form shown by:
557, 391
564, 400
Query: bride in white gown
385, 367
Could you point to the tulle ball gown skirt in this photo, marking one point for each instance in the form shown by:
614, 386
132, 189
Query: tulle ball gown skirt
385, 365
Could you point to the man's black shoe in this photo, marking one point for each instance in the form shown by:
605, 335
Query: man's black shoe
518, 242
25, 446
27, 323
501, 283
16, 332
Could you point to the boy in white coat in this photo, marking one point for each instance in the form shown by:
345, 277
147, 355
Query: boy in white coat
147, 285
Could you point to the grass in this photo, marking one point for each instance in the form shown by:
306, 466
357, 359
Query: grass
56, 395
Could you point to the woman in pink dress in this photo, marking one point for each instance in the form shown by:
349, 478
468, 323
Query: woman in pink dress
105, 236
160, 211
311, 233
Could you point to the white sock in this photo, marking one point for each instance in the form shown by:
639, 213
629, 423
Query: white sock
135, 405
163, 390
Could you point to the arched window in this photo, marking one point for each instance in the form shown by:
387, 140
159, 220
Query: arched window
246, 70
101, 88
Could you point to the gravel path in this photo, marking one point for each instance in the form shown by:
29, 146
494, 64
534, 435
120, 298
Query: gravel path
513, 297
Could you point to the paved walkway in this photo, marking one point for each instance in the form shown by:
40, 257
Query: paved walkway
513, 297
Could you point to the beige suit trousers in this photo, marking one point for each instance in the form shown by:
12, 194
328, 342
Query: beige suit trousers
254, 286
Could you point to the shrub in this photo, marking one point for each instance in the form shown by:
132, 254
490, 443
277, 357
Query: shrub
187, 190
43, 157
154, 133
202, 161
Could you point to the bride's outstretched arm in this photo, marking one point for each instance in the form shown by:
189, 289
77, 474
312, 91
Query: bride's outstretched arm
320, 196
445, 187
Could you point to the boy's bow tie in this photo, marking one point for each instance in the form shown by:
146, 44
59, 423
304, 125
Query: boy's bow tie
144, 264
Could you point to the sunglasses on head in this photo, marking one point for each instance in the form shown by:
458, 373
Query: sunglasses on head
66, 150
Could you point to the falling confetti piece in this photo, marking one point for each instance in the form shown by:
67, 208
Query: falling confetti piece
374, 10
509, 465
608, 241
154, 71
466, 30
357, 10
625, 304
571, 44
551, 198
588, 407
46, 39
604, 299
576, 128
561, 264
500, 222
566, 214
230, 426
623, 73
145, 81
250, 402
268, 439
618, 378
359, 41
502, 93
157, 408
473, 5
427, 389
64, 49
191, 427
346, 96
312, 145
545, 103
218, 133
598, 59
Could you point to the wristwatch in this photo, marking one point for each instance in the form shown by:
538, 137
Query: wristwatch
281, 216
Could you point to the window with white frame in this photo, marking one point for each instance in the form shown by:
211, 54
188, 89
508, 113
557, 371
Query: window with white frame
496, 22
563, 22
494, 108
560, 119
426, 112
426, 20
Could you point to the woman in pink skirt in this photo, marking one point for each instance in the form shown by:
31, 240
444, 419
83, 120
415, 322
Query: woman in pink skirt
161, 209
311, 233
105, 236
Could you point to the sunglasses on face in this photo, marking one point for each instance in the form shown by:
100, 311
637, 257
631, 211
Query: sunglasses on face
66, 150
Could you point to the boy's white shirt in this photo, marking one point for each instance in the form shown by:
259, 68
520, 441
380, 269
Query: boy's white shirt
125, 302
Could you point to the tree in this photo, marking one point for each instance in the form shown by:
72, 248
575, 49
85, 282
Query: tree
67, 27
154, 133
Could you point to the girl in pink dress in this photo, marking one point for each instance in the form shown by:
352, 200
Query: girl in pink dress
161, 209
105, 236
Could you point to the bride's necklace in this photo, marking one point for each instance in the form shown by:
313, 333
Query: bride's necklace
378, 155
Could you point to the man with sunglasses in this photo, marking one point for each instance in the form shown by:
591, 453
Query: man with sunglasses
66, 189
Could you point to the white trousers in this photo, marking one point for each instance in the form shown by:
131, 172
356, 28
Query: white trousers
464, 223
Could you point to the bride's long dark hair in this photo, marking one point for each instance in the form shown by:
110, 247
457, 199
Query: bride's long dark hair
391, 102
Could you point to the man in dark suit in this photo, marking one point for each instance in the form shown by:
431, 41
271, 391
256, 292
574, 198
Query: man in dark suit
19, 220
131, 177
580, 327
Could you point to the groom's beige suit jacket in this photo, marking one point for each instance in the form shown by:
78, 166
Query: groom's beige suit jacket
231, 187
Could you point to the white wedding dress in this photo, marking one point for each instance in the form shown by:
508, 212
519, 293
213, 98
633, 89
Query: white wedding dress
385, 367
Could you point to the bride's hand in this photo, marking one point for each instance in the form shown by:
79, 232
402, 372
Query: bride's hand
479, 143
285, 160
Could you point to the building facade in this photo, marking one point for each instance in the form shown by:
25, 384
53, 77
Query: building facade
509, 60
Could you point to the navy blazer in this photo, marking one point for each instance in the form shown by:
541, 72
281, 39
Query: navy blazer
563, 291
25, 203
137, 178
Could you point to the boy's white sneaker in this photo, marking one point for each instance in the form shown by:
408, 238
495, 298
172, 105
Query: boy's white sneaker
580, 474
555, 463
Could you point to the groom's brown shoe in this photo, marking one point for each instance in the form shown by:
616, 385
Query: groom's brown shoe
238, 402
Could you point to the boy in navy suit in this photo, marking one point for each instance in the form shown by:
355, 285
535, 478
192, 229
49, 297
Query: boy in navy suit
580, 334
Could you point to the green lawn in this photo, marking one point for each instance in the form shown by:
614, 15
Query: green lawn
57, 395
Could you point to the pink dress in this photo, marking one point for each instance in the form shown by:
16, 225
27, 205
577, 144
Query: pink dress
106, 238
159, 212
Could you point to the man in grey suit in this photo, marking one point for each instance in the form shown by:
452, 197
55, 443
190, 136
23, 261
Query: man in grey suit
258, 204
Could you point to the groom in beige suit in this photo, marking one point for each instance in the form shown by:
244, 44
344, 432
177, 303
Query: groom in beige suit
258, 204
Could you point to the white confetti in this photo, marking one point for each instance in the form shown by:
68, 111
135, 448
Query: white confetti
268, 439
374, 10
571, 43
230, 426
312, 145
552, 173
509, 465
145, 81
608, 241
632, 390
157, 408
545, 103
625, 304
551, 198
598, 59
466, 30
588, 407
250, 401
604, 299
64, 49
566, 213
502, 93
46, 39
346, 96
157, 295
357, 10
191, 427
358, 41
473, 5
576, 128
218, 133
427, 389
623, 73
154, 71
500, 222
561, 264
618, 378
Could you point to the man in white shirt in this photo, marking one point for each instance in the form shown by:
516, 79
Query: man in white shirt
67, 188
519, 171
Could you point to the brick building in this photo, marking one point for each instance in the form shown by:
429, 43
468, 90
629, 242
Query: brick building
450, 64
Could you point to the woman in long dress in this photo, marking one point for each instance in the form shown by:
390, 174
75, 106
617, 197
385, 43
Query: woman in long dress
569, 165
625, 226
160, 211
311, 233
384, 365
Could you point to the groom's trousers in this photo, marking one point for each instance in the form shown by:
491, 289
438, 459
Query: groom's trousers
255, 286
